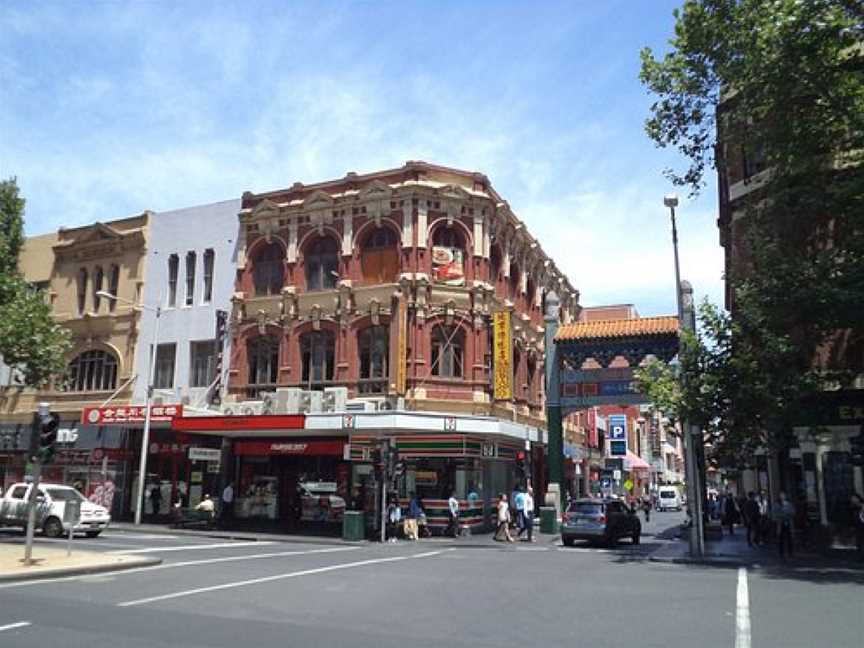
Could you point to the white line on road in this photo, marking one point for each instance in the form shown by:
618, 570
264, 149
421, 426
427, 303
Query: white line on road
218, 545
140, 536
268, 579
742, 611
174, 565
12, 626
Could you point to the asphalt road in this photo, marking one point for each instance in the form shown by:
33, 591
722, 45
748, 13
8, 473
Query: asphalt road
212, 592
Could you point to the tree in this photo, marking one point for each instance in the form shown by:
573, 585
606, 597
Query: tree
782, 81
31, 343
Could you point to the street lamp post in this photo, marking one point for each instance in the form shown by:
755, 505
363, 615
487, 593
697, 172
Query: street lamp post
145, 437
697, 547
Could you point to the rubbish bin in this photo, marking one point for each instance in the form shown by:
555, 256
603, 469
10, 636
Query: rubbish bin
353, 525
548, 519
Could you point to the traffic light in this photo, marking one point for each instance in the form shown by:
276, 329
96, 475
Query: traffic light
49, 425
856, 444
520, 465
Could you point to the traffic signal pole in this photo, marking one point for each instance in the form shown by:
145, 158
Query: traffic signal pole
45, 423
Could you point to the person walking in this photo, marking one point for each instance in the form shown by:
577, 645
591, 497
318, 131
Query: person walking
730, 512
394, 518
414, 511
519, 504
764, 522
858, 523
528, 513
156, 499
226, 510
646, 508
784, 515
503, 532
750, 511
453, 510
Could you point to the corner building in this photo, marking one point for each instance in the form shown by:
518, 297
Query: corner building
385, 284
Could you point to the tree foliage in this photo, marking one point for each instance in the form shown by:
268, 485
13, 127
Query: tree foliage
782, 80
31, 343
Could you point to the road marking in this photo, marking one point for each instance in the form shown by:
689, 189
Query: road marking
276, 577
742, 611
108, 576
12, 626
218, 545
140, 536
75, 542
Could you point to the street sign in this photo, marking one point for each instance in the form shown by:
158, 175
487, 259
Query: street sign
616, 475
628, 485
618, 448
205, 454
618, 427
449, 423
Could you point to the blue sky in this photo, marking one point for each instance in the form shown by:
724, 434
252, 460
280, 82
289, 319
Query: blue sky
112, 108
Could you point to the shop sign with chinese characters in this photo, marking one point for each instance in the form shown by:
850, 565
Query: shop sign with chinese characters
503, 355
126, 414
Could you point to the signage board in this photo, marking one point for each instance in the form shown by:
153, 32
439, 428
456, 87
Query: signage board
402, 349
265, 448
618, 427
263, 422
618, 448
502, 355
628, 485
616, 475
126, 414
205, 454
449, 423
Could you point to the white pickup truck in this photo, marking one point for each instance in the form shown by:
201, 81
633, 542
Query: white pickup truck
50, 503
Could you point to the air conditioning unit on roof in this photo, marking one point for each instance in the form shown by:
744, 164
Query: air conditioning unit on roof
313, 402
251, 408
360, 405
335, 399
288, 400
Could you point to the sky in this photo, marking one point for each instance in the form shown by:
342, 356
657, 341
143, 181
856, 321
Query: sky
111, 108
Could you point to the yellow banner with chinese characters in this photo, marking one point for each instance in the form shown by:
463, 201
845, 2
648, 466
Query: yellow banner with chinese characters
502, 351
402, 349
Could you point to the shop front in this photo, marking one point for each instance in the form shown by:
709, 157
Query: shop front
476, 470
293, 483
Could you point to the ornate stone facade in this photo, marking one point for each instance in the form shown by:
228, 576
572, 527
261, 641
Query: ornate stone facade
323, 265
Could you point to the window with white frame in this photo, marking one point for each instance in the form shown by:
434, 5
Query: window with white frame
209, 258
173, 271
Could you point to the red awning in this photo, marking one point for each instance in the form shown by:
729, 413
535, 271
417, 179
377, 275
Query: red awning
635, 462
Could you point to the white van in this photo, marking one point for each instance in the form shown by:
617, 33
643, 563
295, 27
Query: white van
668, 499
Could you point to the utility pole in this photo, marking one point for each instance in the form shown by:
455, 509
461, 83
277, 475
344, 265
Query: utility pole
553, 402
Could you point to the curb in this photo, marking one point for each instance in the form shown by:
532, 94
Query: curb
63, 572
237, 535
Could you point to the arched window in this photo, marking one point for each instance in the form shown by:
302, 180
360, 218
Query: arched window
173, 271
268, 269
494, 265
92, 371
322, 264
380, 256
515, 277
374, 350
82, 290
448, 256
318, 350
98, 277
263, 360
448, 346
113, 285
532, 378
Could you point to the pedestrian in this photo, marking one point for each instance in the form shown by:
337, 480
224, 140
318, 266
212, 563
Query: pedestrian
519, 504
156, 499
227, 508
411, 529
858, 523
503, 532
528, 513
764, 521
453, 510
394, 518
730, 512
515, 519
784, 515
423, 530
206, 505
646, 508
750, 511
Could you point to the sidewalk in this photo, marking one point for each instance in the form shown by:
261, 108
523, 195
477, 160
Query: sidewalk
734, 552
52, 562
472, 541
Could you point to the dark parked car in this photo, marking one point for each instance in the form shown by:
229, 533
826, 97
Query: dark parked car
599, 520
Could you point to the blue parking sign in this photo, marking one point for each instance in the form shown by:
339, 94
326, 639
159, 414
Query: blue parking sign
618, 427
